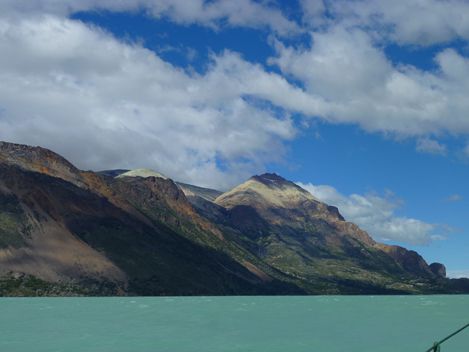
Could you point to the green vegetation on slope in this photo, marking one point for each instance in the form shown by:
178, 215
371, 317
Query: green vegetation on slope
13, 228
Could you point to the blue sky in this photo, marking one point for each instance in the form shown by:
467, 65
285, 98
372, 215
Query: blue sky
363, 103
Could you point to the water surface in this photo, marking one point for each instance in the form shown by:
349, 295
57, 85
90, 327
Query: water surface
227, 324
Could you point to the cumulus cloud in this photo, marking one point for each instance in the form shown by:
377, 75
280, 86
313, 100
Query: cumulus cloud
346, 74
431, 146
356, 83
376, 215
103, 103
215, 14
99, 101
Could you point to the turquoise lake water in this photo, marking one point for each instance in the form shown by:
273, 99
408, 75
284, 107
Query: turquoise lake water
219, 324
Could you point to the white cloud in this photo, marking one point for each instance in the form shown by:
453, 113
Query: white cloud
246, 13
408, 21
313, 11
431, 146
347, 76
67, 86
457, 274
103, 103
354, 81
404, 21
376, 215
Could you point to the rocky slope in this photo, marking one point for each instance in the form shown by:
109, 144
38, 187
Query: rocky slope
299, 235
77, 231
64, 231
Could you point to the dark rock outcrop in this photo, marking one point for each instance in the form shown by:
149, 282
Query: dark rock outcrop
438, 269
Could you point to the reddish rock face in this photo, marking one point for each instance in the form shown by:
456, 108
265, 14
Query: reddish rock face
410, 261
137, 236
163, 200
40, 160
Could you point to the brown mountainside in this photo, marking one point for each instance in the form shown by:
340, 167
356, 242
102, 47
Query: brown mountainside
67, 231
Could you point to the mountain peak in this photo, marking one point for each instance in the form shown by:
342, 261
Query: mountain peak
141, 173
268, 189
21, 153
269, 178
38, 159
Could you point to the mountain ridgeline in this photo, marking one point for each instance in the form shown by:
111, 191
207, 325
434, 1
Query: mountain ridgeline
64, 231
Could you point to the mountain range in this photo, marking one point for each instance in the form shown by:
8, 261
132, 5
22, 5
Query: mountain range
65, 231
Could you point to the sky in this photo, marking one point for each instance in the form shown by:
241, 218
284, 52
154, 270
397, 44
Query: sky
363, 103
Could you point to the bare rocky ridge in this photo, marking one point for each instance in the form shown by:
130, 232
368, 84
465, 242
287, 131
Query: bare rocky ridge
282, 202
131, 235
78, 232
290, 226
40, 160
195, 191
